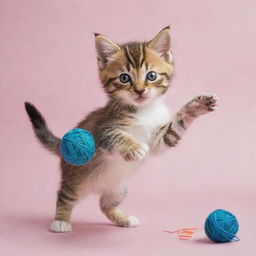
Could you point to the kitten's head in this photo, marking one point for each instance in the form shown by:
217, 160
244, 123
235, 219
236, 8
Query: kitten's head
135, 72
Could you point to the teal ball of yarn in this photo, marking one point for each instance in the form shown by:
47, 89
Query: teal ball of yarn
77, 146
221, 226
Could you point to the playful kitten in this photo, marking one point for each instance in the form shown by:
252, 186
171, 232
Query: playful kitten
134, 123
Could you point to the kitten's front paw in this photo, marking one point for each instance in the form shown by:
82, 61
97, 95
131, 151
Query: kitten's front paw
135, 152
171, 138
202, 104
60, 226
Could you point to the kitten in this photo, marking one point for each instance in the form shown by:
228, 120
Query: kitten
134, 123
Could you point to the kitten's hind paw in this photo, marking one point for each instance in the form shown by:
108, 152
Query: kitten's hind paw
136, 152
133, 222
60, 226
127, 222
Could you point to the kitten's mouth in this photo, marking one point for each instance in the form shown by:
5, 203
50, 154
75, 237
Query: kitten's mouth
140, 99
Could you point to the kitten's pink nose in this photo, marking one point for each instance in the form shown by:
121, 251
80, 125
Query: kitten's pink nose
139, 92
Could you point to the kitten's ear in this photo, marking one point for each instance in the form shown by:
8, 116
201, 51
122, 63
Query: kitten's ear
105, 48
161, 42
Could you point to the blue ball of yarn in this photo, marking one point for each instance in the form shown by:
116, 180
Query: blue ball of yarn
77, 146
221, 226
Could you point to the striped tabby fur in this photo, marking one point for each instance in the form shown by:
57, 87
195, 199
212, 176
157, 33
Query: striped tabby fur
134, 123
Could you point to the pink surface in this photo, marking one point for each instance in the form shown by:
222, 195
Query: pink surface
47, 56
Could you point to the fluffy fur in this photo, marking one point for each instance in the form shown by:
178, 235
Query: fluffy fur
134, 123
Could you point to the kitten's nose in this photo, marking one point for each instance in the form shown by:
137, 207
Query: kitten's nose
139, 91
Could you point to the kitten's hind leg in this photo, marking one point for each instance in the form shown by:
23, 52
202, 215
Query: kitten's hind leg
109, 202
65, 202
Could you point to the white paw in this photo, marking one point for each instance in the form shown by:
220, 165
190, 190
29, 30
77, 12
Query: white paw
141, 151
133, 222
60, 226
137, 153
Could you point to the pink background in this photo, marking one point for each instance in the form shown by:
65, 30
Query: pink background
47, 56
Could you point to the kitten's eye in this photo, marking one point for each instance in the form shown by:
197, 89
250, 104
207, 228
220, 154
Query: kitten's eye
151, 76
124, 78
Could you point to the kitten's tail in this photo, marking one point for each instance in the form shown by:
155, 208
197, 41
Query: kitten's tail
42, 132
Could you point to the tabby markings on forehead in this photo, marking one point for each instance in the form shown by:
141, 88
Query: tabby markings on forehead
129, 57
135, 53
143, 54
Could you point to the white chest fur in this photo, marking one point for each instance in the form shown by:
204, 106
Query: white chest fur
114, 168
149, 118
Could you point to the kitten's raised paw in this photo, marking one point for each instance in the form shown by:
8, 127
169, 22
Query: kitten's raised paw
136, 152
60, 226
202, 104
